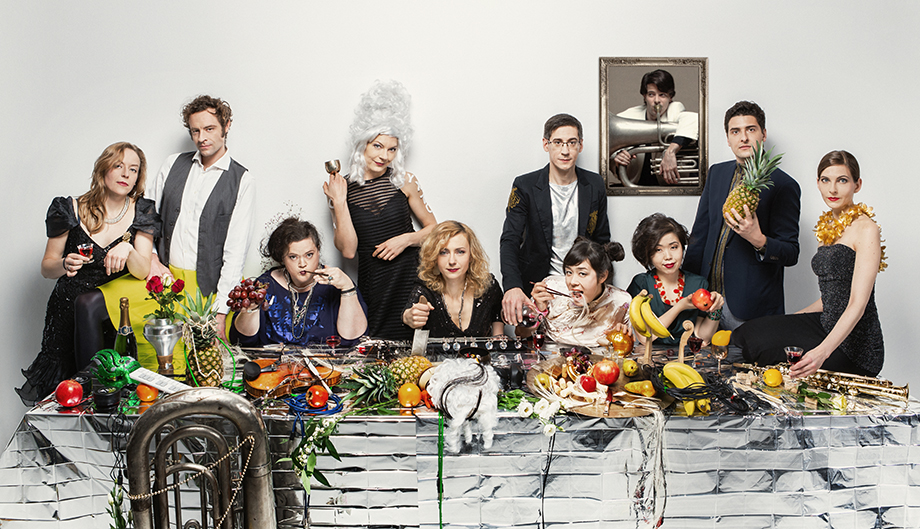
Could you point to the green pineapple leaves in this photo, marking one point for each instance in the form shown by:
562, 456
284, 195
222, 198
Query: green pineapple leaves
760, 166
370, 384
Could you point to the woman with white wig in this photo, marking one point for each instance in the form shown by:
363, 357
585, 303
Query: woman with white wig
373, 207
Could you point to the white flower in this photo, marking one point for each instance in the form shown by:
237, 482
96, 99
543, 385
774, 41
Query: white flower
525, 408
541, 408
549, 429
554, 408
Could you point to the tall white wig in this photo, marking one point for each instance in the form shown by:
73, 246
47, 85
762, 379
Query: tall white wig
384, 109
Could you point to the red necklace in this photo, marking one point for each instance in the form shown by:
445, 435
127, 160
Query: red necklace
678, 291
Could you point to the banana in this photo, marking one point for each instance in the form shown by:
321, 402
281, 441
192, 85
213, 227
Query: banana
652, 322
635, 314
682, 375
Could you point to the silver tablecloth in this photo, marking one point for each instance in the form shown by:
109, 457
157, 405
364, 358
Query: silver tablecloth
720, 471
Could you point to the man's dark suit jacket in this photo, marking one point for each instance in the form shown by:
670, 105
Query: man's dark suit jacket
753, 284
527, 236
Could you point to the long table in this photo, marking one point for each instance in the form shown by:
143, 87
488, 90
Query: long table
820, 471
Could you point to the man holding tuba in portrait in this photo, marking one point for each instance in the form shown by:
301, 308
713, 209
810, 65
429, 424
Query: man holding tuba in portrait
645, 139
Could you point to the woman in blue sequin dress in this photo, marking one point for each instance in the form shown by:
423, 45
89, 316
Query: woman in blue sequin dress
304, 303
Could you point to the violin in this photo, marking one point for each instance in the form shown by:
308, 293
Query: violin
275, 379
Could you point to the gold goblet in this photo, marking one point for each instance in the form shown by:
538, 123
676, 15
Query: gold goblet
333, 166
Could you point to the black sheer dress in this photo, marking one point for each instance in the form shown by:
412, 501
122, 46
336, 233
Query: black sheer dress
380, 211
55, 362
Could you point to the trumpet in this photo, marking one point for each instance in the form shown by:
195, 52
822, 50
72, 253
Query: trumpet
845, 383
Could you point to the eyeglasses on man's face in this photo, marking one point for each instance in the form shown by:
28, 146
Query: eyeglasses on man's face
557, 143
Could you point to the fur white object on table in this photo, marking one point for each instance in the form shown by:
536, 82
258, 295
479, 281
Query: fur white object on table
462, 399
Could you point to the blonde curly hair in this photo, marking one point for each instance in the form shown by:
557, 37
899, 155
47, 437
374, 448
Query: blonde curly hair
384, 109
478, 276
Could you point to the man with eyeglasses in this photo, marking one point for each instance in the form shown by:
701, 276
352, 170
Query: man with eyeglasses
657, 90
546, 211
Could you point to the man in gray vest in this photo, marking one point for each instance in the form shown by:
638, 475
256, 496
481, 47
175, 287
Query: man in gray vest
206, 202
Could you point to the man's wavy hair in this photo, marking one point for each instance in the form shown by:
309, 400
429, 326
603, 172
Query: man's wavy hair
384, 109
478, 276
214, 105
91, 205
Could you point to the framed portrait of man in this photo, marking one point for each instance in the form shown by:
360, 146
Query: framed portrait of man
654, 116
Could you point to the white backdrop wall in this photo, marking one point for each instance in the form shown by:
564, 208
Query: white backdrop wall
484, 76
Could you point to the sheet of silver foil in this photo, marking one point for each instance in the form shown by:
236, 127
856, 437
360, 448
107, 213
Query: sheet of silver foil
840, 471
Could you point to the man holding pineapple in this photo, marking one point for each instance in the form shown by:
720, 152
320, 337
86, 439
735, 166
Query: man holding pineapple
747, 223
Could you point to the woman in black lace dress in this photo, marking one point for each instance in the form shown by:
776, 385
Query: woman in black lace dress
118, 224
840, 331
463, 297
373, 208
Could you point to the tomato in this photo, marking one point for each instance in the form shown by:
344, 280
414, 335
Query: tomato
317, 396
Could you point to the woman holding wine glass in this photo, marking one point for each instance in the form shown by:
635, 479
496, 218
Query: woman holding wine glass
462, 298
118, 225
841, 330
373, 208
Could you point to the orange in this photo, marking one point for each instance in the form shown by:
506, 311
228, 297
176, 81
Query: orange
409, 395
147, 393
721, 338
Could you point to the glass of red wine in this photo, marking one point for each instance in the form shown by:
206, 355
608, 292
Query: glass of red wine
694, 343
86, 250
333, 341
794, 354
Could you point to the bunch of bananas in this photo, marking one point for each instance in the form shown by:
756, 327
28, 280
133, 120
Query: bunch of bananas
643, 319
684, 376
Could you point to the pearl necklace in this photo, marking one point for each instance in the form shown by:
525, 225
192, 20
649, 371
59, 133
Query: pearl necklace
117, 218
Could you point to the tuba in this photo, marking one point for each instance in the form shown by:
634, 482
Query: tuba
258, 495
641, 138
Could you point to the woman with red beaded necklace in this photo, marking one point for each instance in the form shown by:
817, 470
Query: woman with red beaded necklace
658, 244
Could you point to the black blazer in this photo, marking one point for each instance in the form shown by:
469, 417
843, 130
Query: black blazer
753, 284
527, 236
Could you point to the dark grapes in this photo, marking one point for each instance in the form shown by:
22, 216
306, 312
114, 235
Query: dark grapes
248, 293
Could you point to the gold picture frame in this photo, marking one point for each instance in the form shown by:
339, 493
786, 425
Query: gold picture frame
620, 80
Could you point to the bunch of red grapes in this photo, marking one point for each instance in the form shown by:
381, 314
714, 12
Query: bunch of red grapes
246, 294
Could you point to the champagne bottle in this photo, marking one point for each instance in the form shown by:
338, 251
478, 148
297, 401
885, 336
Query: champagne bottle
125, 342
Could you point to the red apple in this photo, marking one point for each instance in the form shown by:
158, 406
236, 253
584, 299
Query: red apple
69, 393
701, 299
587, 383
606, 372
317, 396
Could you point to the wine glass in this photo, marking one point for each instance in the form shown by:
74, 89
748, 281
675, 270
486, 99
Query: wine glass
695, 343
333, 166
86, 250
794, 354
720, 352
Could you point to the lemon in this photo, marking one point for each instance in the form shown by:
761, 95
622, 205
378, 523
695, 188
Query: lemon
721, 338
772, 377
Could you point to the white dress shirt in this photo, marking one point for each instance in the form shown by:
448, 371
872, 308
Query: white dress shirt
183, 250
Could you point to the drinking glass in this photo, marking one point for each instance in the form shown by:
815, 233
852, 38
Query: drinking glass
333, 341
86, 250
695, 343
794, 354
720, 352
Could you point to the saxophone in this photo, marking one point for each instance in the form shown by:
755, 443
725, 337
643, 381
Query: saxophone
844, 383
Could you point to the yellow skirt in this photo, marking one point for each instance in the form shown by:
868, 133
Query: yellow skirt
140, 305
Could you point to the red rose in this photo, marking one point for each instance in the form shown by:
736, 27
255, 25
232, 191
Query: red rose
178, 286
155, 285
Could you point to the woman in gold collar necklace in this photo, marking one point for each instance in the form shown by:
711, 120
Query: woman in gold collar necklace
841, 330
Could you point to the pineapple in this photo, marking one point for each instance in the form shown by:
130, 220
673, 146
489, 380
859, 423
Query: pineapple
409, 369
370, 384
205, 361
756, 178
